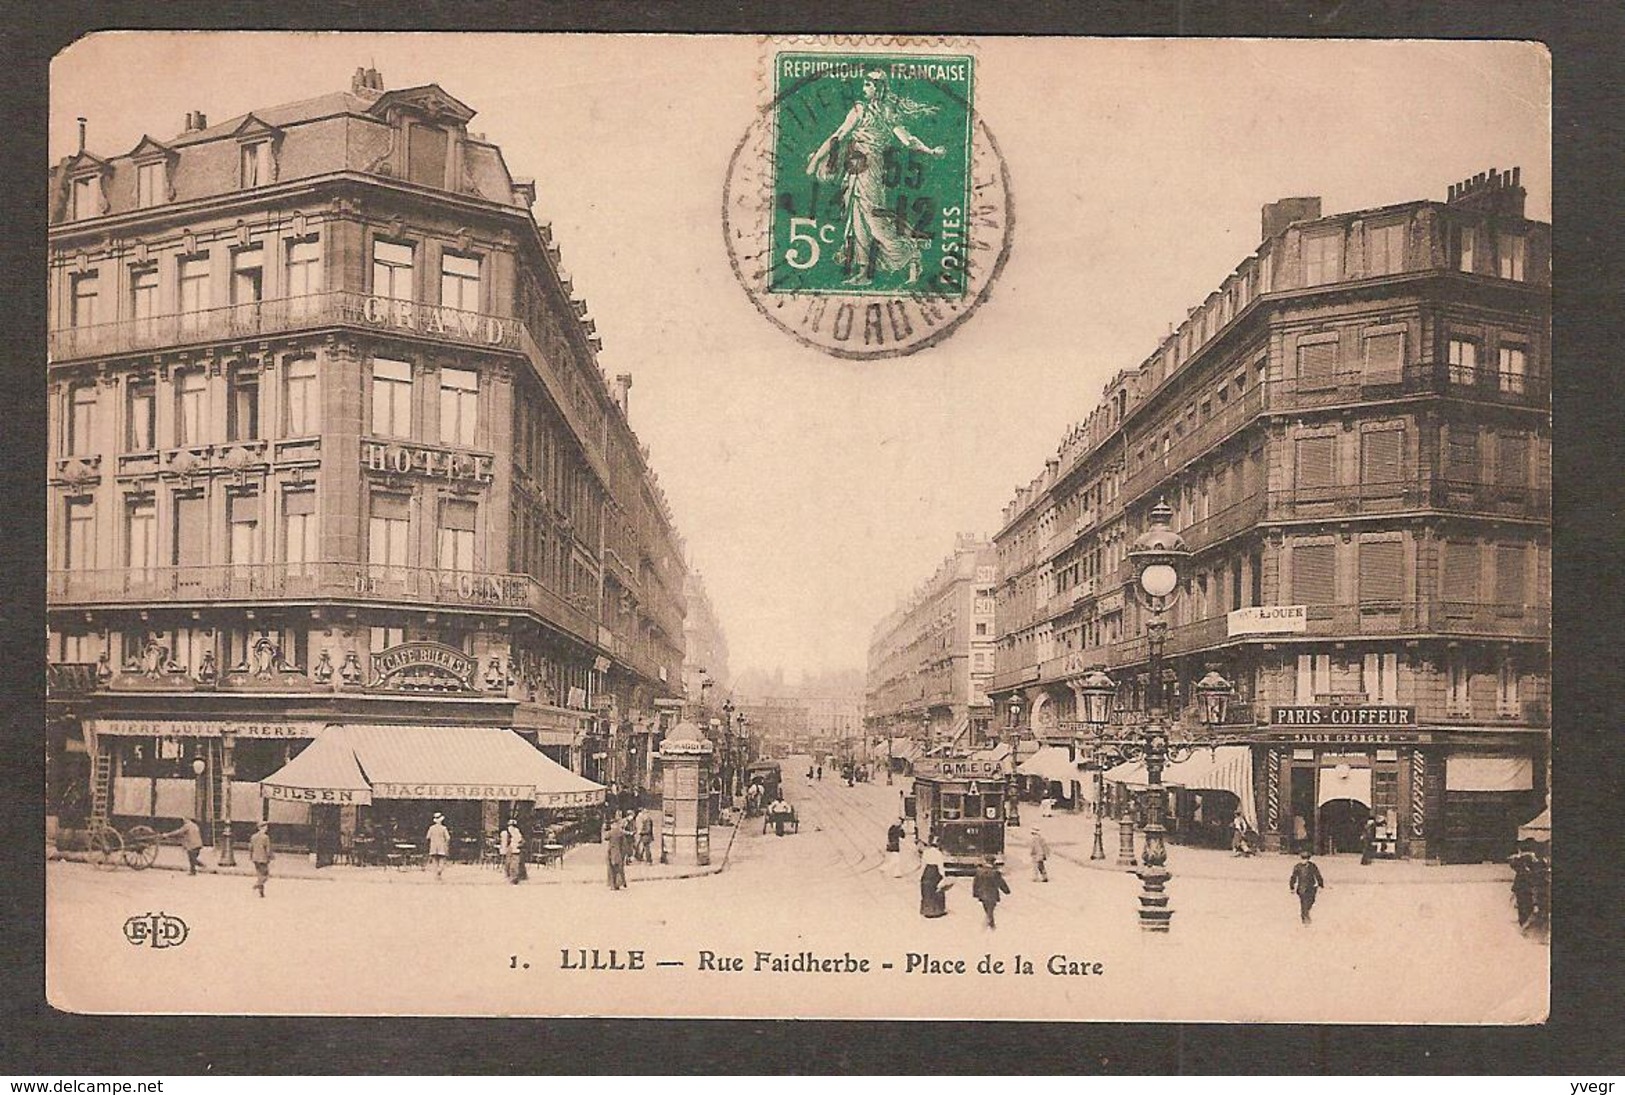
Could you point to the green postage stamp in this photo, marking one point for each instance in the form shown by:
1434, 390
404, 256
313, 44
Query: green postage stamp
867, 211
871, 173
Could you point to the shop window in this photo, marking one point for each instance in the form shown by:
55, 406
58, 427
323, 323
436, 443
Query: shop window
151, 184
82, 420
391, 398
243, 406
391, 270
459, 405
1385, 799
80, 545
300, 398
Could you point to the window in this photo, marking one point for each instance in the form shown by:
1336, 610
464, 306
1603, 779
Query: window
86, 290
1514, 362
1317, 365
247, 275
1466, 248
1314, 676
87, 197
190, 547
981, 629
244, 512
387, 526
256, 160
1385, 249
141, 416
143, 296
80, 548
1382, 572
190, 391
141, 534
193, 283
1322, 258
1382, 456
304, 267
460, 282
1459, 580
1509, 579
1379, 678
380, 639
150, 185
1463, 361
1457, 684
1512, 460
455, 550
243, 407
300, 401
82, 420
391, 398
1506, 689
1461, 455
299, 546
1511, 257
426, 155
391, 270
459, 405
1384, 357
1317, 463
1314, 574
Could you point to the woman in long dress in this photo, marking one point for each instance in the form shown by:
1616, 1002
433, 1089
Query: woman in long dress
875, 237
933, 898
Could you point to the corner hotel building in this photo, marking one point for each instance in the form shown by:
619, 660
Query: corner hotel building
329, 443
1353, 432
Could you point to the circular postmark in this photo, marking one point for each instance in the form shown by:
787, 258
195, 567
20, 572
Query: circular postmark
867, 210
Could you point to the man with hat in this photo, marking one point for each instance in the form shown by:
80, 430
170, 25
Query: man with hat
439, 840
259, 853
513, 851
1038, 850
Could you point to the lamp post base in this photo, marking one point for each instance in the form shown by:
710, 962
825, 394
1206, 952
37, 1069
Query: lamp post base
1125, 843
1155, 914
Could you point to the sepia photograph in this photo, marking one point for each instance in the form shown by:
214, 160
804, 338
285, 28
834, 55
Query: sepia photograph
799, 527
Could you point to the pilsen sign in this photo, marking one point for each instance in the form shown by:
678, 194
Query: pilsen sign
428, 319
317, 796
435, 463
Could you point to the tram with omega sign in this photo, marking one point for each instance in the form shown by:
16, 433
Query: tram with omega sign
960, 804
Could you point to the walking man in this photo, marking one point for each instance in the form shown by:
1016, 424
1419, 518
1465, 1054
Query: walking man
513, 852
1238, 834
1306, 882
615, 849
1368, 841
260, 854
894, 848
1038, 848
192, 840
646, 837
987, 887
439, 840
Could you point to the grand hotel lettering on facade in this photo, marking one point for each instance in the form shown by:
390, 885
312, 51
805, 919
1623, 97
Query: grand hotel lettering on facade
322, 399
1354, 433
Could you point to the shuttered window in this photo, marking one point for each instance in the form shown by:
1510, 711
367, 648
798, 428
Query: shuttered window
191, 544
1316, 462
1384, 357
1459, 579
1512, 461
1317, 365
1314, 574
1382, 571
1381, 459
1461, 455
1509, 577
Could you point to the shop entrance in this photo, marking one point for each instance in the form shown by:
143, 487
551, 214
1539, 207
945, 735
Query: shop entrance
1301, 797
1342, 824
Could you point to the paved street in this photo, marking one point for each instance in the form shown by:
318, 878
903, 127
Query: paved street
1392, 942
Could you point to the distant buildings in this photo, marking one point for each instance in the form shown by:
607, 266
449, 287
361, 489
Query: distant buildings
705, 647
932, 658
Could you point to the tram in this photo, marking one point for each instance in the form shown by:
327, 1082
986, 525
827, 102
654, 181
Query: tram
960, 803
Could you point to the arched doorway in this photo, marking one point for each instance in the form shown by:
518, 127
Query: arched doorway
1341, 825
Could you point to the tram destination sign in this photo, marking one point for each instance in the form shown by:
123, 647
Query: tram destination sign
1343, 716
959, 768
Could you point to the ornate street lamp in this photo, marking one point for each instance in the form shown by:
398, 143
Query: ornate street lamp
1015, 715
730, 765
200, 794
1213, 697
1097, 693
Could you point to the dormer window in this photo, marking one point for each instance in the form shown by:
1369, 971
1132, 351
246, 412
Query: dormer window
426, 155
87, 197
256, 159
150, 186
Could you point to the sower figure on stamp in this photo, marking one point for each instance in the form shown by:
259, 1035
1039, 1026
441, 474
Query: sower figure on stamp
875, 236
1306, 882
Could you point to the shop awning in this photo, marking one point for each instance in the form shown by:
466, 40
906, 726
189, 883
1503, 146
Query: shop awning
1226, 768
1050, 763
1540, 829
1469, 772
998, 754
906, 748
427, 762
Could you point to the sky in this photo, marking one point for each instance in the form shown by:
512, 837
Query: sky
814, 493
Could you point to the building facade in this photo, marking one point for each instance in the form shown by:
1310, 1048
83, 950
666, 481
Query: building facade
1353, 431
931, 659
705, 645
329, 443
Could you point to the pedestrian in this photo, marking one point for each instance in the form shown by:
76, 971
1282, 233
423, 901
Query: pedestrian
646, 837
191, 840
987, 887
1238, 834
1523, 882
779, 814
513, 852
1306, 882
1368, 840
1300, 833
260, 854
1038, 849
820, 771
615, 851
438, 838
933, 884
894, 848
1046, 806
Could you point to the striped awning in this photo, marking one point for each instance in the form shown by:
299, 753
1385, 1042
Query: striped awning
1226, 768
1052, 764
348, 762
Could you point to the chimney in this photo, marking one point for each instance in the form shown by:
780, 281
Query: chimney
623, 392
367, 82
1277, 215
196, 121
82, 123
1493, 191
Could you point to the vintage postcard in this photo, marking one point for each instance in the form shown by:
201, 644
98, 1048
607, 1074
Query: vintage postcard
1134, 609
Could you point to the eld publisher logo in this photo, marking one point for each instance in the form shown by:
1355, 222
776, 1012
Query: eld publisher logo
157, 930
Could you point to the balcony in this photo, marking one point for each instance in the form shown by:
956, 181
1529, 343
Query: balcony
1226, 523
1362, 499
300, 582
1221, 426
1430, 378
261, 319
